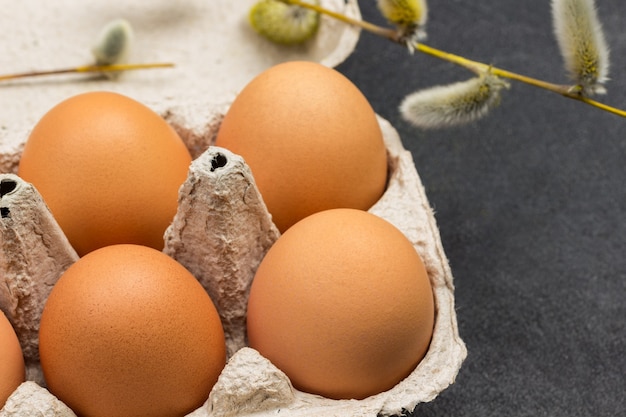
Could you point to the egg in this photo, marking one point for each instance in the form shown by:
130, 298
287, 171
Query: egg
128, 331
311, 139
108, 167
12, 371
342, 304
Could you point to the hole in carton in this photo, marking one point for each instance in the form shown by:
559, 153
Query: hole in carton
7, 186
218, 161
5, 212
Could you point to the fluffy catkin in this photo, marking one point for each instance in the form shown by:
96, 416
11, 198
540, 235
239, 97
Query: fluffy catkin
453, 104
113, 44
582, 43
409, 17
404, 12
283, 23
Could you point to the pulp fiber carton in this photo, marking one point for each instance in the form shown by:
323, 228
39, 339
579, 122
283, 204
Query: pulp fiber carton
215, 53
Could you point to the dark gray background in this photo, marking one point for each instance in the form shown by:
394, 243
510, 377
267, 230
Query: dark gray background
530, 203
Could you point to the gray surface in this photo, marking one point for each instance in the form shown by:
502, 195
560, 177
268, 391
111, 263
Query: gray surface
530, 203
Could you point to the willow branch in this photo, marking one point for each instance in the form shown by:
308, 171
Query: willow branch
474, 66
86, 69
370, 27
478, 67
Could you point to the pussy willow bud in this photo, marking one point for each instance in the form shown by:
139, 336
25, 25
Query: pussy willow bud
582, 43
113, 43
284, 23
453, 104
409, 16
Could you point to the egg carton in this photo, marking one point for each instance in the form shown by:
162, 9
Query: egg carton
220, 233
34, 251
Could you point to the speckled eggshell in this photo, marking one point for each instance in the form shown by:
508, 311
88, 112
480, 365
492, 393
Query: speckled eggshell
311, 139
108, 167
12, 371
342, 304
127, 331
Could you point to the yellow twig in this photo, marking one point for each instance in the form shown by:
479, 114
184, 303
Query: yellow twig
370, 27
478, 67
475, 66
597, 104
86, 69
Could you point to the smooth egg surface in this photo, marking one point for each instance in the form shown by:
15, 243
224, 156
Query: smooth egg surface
311, 139
128, 331
12, 372
108, 167
342, 304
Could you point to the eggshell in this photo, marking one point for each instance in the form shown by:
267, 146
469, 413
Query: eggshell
108, 167
311, 140
342, 304
127, 331
12, 371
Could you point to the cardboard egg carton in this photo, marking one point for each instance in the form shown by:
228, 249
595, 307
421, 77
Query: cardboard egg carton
34, 251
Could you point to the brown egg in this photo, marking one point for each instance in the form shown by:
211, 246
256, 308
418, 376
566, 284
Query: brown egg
128, 331
109, 169
311, 139
12, 372
342, 304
